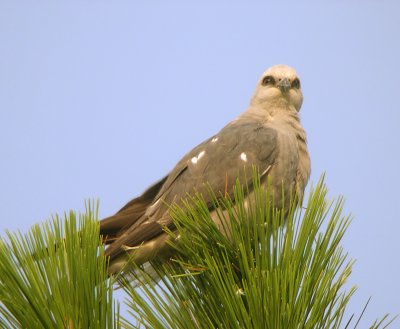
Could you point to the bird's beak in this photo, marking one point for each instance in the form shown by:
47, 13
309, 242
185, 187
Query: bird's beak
284, 84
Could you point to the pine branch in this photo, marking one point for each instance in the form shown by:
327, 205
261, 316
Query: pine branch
266, 275
62, 287
274, 269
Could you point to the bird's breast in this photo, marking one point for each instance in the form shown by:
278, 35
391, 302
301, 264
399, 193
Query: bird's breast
291, 169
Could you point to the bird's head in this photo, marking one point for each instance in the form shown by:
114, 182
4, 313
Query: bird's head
279, 85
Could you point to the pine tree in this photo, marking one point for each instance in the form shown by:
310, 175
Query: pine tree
278, 269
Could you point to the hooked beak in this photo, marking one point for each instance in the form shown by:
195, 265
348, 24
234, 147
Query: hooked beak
284, 84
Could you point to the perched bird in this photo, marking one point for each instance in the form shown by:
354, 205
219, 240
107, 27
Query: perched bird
267, 135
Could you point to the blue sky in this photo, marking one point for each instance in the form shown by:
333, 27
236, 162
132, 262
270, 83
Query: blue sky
98, 99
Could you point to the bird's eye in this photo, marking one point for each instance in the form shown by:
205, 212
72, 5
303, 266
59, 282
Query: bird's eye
268, 80
296, 83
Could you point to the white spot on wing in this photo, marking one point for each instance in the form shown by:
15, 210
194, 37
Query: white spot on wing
243, 156
127, 248
152, 207
199, 156
214, 140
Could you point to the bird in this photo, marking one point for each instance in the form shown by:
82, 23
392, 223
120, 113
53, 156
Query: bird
267, 135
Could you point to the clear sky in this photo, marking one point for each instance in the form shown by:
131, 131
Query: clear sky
98, 99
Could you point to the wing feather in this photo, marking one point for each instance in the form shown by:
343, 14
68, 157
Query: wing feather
215, 163
114, 226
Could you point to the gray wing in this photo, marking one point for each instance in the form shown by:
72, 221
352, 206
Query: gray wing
215, 163
114, 226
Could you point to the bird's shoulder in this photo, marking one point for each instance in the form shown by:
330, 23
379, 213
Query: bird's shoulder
240, 144
235, 138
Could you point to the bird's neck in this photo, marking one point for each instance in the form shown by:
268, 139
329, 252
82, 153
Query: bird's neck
279, 116
276, 111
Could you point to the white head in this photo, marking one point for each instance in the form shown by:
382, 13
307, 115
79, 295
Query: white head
279, 86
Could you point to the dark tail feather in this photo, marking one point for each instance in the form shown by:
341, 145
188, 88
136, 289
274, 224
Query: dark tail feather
112, 227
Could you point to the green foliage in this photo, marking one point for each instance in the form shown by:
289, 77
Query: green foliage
271, 270
266, 275
55, 276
